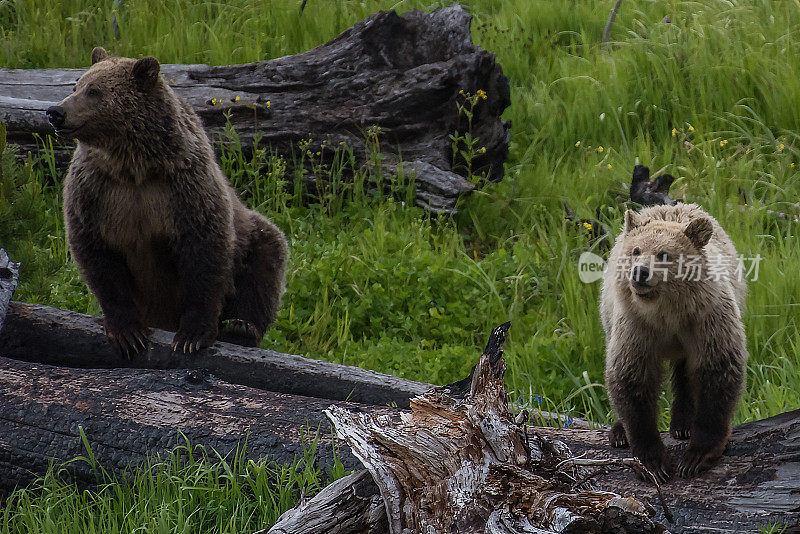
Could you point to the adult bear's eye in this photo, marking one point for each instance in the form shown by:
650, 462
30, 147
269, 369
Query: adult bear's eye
636, 251
93, 93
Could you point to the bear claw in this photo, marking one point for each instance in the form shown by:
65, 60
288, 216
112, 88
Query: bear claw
190, 342
680, 433
128, 342
695, 462
617, 437
658, 463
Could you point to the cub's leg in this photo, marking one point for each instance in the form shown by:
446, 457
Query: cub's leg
682, 413
259, 279
633, 377
719, 379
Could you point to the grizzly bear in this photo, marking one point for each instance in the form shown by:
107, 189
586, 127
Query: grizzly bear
673, 290
158, 233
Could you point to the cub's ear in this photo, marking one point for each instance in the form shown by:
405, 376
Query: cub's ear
145, 71
98, 54
631, 220
699, 231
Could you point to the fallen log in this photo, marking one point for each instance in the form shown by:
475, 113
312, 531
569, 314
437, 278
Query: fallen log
399, 73
458, 462
127, 414
53, 336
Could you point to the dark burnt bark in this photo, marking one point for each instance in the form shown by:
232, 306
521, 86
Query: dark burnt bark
401, 73
48, 335
127, 414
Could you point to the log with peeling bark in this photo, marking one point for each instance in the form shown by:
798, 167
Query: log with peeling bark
127, 414
401, 73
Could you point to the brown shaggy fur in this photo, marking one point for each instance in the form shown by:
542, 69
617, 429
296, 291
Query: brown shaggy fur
695, 324
156, 230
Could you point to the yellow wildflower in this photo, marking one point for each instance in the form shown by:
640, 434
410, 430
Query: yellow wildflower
269, 104
482, 150
587, 225
691, 128
791, 165
481, 94
237, 98
213, 101
609, 165
674, 131
461, 92
600, 148
578, 143
781, 147
723, 142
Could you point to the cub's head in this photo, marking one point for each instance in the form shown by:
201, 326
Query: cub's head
113, 100
659, 257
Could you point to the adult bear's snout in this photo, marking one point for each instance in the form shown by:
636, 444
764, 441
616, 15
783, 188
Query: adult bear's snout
56, 115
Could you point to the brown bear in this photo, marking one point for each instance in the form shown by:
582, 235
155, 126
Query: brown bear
156, 229
673, 290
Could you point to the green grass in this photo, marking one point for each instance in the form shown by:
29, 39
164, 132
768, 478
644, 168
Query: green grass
187, 490
711, 96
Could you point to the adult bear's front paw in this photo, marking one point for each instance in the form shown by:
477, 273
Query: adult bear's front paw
127, 339
193, 337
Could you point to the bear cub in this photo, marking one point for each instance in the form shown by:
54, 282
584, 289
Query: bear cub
674, 291
157, 232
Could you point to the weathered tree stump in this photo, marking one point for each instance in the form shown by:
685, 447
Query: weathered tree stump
401, 73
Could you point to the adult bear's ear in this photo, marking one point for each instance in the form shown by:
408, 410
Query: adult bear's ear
98, 54
631, 220
145, 71
699, 232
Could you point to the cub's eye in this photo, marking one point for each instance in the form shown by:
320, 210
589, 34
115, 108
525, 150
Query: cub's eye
662, 256
636, 251
93, 93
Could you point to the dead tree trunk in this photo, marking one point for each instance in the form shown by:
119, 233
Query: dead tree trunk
126, 414
401, 73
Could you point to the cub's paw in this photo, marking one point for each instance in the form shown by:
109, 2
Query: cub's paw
128, 340
617, 437
695, 461
680, 430
240, 332
657, 461
189, 340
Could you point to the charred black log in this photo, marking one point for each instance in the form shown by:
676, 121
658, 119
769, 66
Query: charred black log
397, 76
126, 414
48, 335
